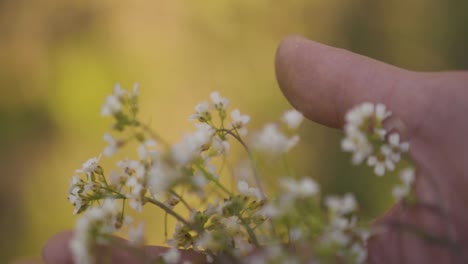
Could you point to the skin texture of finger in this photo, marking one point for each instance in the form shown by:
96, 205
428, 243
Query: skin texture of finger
439, 150
325, 82
57, 251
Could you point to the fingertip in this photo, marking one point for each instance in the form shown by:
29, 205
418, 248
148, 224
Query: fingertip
56, 249
324, 82
306, 72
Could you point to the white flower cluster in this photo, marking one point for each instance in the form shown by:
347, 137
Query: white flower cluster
244, 188
192, 144
339, 207
407, 177
80, 193
293, 191
273, 141
116, 101
342, 229
93, 228
232, 227
204, 114
366, 138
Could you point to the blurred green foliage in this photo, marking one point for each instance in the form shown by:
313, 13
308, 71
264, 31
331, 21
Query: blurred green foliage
58, 59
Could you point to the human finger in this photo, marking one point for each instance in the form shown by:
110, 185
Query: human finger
325, 82
57, 251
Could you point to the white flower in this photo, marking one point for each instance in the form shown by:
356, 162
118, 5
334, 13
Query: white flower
306, 187
407, 177
118, 91
272, 141
109, 207
136, 203
135, 184
112, 147
213, 208
359, 252
172, 256
90, 186
292, 118
356, 143
341, 205
295, 234
389, 156
243, 247
75, 184
136, 181
90, 165
111, 106
356, 116
394, 148
161, 176
191, 145
97, 221
270, 211
338, 237
136, 235
81, 251
381, 112
117, 179
399, 192
239, 121
244, 189
207, 242
219, 102
76, 200
201, 112
358, 122
221, 147
231, 224
132, 167
143, 151
199, 179
380, 164
340, 223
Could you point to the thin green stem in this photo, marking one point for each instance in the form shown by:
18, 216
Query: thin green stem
210, 177
165, 225
169, 210
182, 200
122, 214
251, 157
250, 232
103, 179
119, 195
286, 165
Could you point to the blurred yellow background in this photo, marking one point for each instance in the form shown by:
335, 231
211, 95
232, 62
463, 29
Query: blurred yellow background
58, 60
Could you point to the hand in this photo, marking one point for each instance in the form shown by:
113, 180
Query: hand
323, 83
56, 251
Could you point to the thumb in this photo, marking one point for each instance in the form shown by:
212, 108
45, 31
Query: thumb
324, 82
57, 250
